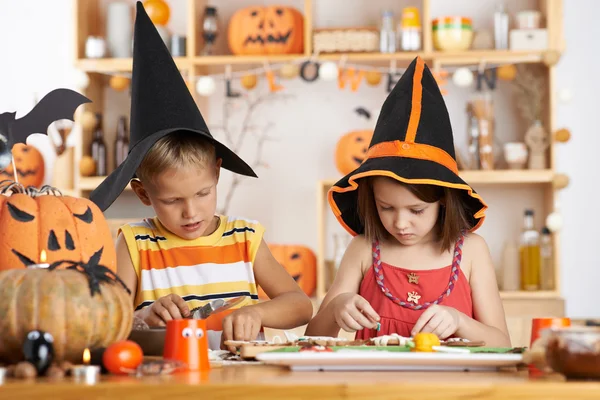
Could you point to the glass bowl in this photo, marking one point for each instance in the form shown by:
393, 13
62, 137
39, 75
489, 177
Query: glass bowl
574, 351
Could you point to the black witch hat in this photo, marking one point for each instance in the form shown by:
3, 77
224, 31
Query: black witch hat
160, 104
413, 144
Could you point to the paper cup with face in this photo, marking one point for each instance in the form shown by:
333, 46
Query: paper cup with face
186, 340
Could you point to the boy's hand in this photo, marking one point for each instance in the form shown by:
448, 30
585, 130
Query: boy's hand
242, 324
352, 312
166, 308
441, 320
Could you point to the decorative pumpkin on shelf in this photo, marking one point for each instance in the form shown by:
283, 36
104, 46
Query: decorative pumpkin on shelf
300, 262
29, 163
351, 150
266, 30
85, 305
67, 228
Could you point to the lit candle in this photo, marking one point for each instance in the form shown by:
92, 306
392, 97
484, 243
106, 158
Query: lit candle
86, 373
43, 263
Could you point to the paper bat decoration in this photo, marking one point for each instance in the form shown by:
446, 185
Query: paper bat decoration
363, 112
58, 104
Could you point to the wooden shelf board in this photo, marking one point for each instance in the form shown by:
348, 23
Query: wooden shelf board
528, 295
509, 176
446, 58
116, 64
89, 183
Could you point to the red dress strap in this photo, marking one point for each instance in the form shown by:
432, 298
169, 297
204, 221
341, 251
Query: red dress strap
380, 278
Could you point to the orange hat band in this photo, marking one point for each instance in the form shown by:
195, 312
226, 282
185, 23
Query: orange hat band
421, 151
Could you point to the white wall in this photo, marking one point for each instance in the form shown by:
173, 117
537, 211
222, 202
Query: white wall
306, 127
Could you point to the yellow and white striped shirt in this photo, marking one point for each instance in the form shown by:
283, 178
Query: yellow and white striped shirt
218, 266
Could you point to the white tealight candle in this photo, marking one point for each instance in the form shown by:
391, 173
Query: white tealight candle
88, 374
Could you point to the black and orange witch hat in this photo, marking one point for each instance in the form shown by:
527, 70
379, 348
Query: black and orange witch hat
412, 143
161, 103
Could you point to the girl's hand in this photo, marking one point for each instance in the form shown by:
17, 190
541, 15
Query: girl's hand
242, 324
352, 312
441, 320
166, 308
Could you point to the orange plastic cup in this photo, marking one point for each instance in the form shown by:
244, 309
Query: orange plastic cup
538, 324
186, 341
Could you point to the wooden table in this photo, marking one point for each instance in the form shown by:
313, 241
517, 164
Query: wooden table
246, 382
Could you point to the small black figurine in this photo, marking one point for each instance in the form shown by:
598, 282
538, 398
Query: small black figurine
38, 349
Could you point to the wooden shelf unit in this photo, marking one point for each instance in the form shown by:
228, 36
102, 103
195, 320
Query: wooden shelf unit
90, 20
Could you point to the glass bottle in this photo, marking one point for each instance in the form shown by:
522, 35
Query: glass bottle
529, 249
98, 149
547, 260
121, 142
387, 34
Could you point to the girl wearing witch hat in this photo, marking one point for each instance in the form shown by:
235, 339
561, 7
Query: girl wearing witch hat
414, 264
187, 255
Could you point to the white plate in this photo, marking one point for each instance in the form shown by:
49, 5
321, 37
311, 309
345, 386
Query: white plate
365, 360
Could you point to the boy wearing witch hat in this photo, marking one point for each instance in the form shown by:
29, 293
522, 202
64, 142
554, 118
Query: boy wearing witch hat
187, 255
414, 264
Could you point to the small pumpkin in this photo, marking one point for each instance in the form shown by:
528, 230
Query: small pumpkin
29, 163
266, 30
83, 306
67, 228
300, 262
158, 11
351, 149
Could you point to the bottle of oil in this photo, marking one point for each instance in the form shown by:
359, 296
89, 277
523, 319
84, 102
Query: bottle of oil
529, 249
547, 261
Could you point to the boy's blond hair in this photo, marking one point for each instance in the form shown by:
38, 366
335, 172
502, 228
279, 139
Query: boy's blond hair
178, 149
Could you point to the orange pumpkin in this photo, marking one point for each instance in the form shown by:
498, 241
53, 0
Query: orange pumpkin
158, 11
266, 30
300, 262
351, 149
29, 163
67, 228
61, 303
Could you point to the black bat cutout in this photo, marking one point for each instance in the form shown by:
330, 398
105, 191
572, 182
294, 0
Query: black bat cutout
56, 105
363, 111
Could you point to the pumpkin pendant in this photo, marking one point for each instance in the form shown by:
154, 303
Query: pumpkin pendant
38, 349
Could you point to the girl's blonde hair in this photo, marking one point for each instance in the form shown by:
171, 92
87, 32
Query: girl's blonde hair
177, 149
452, 218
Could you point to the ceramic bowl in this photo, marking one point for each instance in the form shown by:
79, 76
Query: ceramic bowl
452, 33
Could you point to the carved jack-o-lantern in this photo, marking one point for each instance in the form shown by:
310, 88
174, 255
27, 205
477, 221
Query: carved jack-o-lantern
266, 30
300, 262
66, 228
351, 150
30, 166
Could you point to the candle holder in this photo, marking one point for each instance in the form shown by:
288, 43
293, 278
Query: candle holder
88, 374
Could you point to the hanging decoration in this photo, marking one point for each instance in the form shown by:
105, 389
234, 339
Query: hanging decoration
228, 91
392, 77
328, 71
506, 72
373, 78
349, 74
249, 81
487, 76
205, 86
310, 70
441, 79
273, 86
289, 71
462, 77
